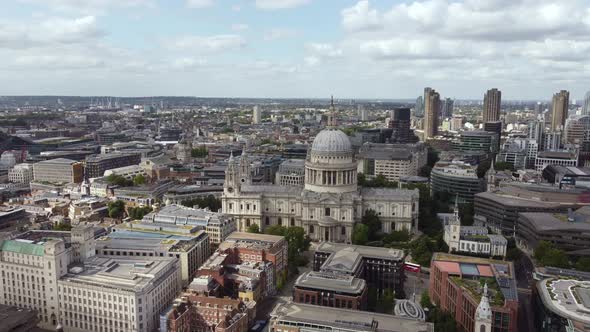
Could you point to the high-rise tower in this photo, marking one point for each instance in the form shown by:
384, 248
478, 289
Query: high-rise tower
559, 109
491, 105
431, 112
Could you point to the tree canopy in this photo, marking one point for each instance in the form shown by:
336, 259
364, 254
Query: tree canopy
253, 229
139, 180
211, 202
199, 152
116, 209
360, 234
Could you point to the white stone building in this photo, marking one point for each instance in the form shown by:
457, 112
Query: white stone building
471, 239
21, 173
128, 172
330, 202
60, 277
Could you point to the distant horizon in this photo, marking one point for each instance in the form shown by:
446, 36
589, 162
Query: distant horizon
373, 49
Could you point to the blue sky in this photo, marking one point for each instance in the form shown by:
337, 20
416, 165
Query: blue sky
295, 48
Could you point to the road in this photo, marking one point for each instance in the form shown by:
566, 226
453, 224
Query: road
415, 283
524, 269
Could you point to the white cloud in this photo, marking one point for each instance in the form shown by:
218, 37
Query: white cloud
279, 33
280, 4
49, 31
207, 44
324, 50
360, 17
199, 3
91, 6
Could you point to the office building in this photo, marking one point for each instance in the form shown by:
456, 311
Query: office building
381, 268
569, 231
298, 317
519, 152
552, 140
330, 290
586, 107
128, 172
458, 179
63, 280
393, 161
291, 173
456, 123
431, 113
563, 158
577, 129
58, 170
256, 115
21, 173
482, 142
195, 311
567, 176
560, 304
535, 130
559, 109
191, 250
475, 291
218, 226
362, 113
492, 102
447, 108
400, 125
419, 107
501, 207
97, 164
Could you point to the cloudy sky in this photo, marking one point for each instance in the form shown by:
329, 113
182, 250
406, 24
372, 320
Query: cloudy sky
295, 48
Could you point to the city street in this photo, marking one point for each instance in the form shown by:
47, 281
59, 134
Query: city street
524, 269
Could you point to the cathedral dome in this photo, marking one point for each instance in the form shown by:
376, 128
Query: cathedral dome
331, 140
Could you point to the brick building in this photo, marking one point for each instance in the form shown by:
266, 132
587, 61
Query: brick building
457, 285
194, 311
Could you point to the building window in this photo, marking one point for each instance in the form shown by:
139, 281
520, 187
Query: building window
343, 231
311, 229
327, 212
280, 221
267, 221
292, 221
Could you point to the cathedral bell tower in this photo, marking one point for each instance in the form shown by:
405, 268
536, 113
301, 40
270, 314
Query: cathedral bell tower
245, 169
231, 185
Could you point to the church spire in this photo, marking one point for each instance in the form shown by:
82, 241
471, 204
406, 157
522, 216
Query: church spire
331, 114
483, 314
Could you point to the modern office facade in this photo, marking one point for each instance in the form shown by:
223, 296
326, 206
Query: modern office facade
492, 101
393, 161
330, 290
381, 268
501, 207
58, 170
96, 165
560, 305
400, 122
457, 179
21, 173
483, 142
562, 158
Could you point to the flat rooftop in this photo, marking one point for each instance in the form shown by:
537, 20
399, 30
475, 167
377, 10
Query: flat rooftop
567, 298
365, 251
345, 319
330, 281
123, 273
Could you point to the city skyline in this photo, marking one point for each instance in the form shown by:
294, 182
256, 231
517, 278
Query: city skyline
353, 49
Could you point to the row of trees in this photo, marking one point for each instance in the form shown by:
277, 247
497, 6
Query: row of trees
121, 181
137, 213
382, 304
211, 202
200, 152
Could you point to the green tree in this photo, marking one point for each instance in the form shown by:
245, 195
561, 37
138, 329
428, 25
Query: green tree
139, 180
372, 298
137, 213
443, 321
425, 301
386, 302
253, 229
360, 234
275, 230
210, 202
116, 209
397, 236
542, 249
502, 165
62, 227
373, 223
583, 264
199, 152
360, 178
466, 212
118, 180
